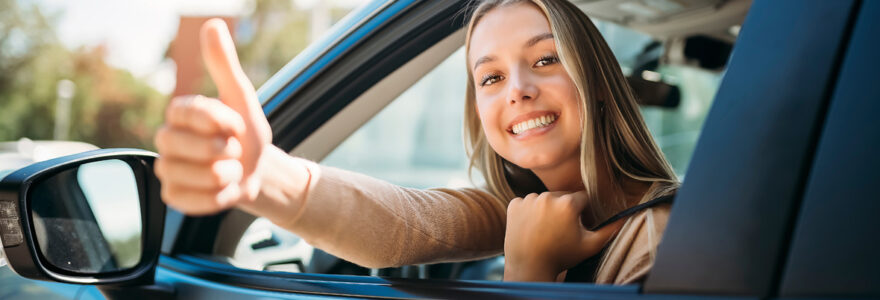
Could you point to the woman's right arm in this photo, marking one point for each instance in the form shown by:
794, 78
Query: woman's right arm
217, 154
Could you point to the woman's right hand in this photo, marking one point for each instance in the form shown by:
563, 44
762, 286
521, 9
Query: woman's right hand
210, 149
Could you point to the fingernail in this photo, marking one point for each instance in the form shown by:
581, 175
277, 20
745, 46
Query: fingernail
230, 169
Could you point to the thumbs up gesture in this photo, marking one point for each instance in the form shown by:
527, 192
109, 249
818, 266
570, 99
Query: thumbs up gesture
210, 149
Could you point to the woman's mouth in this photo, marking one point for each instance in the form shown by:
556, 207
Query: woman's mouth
533, 123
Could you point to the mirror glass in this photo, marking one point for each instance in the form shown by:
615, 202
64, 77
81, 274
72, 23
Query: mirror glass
88, 219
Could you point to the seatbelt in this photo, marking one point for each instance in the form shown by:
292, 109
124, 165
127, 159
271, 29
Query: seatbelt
632, 210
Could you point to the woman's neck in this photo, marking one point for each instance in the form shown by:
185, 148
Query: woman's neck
565, 177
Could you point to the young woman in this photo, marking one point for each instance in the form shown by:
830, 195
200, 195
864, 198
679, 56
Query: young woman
549, 121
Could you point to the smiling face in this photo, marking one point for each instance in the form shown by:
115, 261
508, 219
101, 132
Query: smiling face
525, 99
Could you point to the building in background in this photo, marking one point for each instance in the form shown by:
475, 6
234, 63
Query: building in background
186, 52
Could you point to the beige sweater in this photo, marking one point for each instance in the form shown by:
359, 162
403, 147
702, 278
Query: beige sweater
377, 224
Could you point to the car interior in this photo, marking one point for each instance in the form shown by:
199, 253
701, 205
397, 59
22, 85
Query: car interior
674, 54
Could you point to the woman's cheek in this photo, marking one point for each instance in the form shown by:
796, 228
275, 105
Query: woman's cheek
489, 119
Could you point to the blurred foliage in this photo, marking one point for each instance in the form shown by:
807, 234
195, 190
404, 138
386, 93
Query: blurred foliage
270, 37
274, 34
110, 108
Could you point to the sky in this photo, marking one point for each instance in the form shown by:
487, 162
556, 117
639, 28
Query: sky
136, 33
111, 190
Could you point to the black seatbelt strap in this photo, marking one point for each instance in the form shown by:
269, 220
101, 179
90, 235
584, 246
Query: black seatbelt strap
632, 210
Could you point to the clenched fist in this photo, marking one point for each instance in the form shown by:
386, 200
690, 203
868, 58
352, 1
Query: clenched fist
545, 236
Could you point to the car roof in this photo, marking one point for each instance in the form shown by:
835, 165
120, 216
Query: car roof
720, 19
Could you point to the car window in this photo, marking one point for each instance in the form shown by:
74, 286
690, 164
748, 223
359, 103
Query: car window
675, 129
416, 141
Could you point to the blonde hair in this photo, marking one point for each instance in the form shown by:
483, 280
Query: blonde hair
614, 134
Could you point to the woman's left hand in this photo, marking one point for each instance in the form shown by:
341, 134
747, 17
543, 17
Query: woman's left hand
545, 236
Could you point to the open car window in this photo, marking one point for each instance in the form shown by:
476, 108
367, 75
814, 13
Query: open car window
416, 141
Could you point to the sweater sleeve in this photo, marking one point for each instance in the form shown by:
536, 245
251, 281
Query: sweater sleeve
377, 224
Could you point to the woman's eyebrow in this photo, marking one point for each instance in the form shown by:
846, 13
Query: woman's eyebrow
483, 60
532, 41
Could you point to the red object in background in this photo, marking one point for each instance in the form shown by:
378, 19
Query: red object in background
186, 53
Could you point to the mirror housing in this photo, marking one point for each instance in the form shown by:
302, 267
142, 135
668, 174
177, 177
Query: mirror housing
17, 223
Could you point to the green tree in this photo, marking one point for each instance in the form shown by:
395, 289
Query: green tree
111, 107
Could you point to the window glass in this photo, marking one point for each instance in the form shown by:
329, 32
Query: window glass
626, 44
416, 141
674, 129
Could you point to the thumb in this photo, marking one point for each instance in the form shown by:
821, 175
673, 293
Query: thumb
236, 91
580, 201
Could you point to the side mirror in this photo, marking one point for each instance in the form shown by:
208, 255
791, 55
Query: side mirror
90, 218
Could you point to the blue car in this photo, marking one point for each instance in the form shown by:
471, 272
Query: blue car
766, 109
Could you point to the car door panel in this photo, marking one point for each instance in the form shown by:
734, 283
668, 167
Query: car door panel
732, 216
257, 282
833, 251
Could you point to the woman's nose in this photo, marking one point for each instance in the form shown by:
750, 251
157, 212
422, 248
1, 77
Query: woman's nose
521, 88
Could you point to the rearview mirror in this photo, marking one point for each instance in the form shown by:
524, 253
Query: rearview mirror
93, 217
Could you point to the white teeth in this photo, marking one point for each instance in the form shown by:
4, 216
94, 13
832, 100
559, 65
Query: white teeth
533, 123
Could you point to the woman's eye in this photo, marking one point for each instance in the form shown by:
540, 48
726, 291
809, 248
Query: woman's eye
546, 60
489, 79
